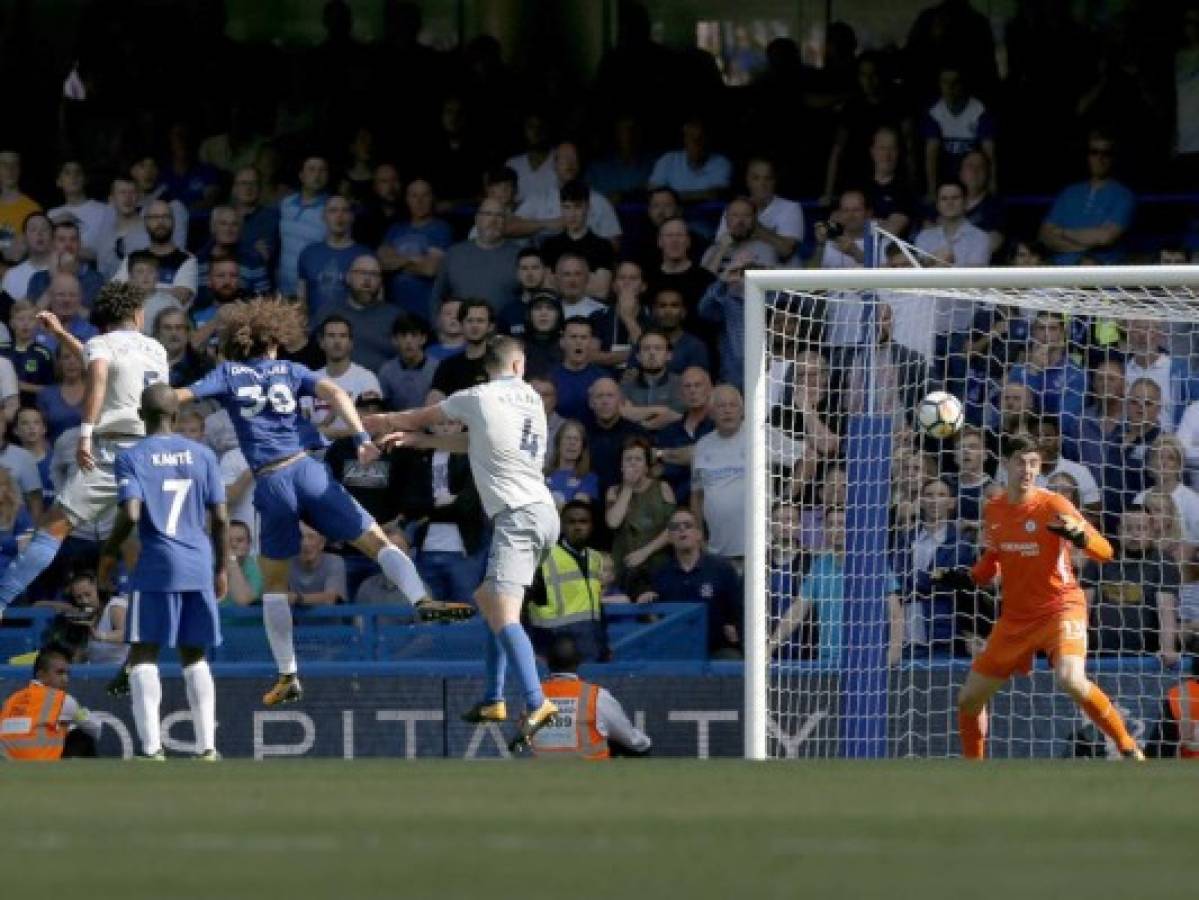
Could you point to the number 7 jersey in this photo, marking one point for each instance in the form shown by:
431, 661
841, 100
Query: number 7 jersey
505, 420
262, 399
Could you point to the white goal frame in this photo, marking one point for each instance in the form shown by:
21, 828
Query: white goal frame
757, 284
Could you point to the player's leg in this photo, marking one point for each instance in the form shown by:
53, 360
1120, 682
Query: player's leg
147, 626
1069, 672
279, 540
492, 708
55, 527
200, 629
972, 712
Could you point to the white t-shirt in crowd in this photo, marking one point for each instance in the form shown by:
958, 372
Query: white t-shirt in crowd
783, 217
718, 469
89, 216
355, 381
601, 217
16, 280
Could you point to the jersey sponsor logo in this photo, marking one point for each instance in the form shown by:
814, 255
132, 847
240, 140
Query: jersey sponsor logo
1024, 548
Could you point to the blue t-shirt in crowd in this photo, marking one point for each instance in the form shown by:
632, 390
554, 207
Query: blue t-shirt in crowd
411, 292
1083, 206
176, 480
262, 399
34, 364
323, 270
564, 484
60, 415
90, 282
572, 390
21, 524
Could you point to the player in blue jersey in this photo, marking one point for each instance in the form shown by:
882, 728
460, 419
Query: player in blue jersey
171, 488
261, 395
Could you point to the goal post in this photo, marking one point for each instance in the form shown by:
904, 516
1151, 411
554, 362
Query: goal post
842, 700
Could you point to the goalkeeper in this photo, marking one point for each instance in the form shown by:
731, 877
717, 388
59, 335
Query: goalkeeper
1028, 533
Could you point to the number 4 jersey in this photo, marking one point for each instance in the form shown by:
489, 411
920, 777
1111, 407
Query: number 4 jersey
176, 481
262, 398
506, 421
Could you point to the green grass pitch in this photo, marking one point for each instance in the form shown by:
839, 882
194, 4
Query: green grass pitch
629, 829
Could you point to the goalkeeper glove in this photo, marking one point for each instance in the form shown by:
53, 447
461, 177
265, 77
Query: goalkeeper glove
1072, 529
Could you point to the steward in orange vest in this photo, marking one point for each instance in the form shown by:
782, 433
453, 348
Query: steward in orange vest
590, 723
1178, 733
37, 722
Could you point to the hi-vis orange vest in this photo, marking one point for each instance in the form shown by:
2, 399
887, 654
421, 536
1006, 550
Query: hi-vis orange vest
1187, 719
572, 732
29, 726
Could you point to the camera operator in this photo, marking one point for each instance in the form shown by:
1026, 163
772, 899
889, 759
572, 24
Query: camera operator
841, 241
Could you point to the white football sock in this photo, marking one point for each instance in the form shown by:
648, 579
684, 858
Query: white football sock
201, 697
145, 691
402, 573
276, 616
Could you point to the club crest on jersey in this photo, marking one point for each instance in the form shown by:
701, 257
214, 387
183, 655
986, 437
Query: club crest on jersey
1030, 526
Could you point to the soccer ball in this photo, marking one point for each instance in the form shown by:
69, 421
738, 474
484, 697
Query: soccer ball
940, 415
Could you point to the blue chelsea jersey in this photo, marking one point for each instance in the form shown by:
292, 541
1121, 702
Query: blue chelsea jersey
262, 398
176, 480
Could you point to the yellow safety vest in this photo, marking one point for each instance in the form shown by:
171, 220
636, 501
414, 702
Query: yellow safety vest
571, 595
29, 726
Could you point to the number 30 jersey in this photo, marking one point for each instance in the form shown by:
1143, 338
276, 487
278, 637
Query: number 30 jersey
506, 426
176, 480
262, 398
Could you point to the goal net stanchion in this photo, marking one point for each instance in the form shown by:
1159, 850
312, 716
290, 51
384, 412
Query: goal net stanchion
840, 694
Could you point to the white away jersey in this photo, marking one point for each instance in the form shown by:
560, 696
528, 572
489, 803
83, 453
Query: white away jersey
134, 362
508, 438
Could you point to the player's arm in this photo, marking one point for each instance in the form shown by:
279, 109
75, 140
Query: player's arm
410, 420
128, 513
52, 324
987, 567
1071, 526
420, 440
218, 530
341, 404
93, 397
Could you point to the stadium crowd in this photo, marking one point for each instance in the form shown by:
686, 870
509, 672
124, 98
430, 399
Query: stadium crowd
609, 227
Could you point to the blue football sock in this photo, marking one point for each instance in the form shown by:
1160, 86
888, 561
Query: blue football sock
496, 665
29, 565
520, 653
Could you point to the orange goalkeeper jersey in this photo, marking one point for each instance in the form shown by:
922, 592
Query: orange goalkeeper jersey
1034, 563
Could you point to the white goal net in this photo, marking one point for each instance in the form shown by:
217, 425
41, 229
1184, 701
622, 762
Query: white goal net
859, 625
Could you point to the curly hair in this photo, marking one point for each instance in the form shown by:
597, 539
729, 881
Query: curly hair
117, 302
250, 329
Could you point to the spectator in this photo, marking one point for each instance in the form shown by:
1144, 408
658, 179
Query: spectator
694, 172
193, 183
576, 374
1058, 384
1166, 525
691, 574
378, 589
565, 597
973, 482
549, 401
624, 172
542, 334
898, 374
953, 240
66, 302
534, 169
61, 403
16, 525
820, 601
1088, 220
1085, 439
641, 243
953, 126
620, 323
787, 563
668, 312
1147, 357
1133, 598
484, 266
124, 229
531, 275
236, 476
407, 377
177, 269
568, 466
30, 432
259, 222
173, 330
149, 186
573, 275
499, 184
541, 214
143, 275
223, 288
739, 240
889, 191
78, 207
337, 341
718, 476
15, 207
381, 210
36, 238
651, 383
369, 317
32, 362
302, 223
777, 222
807, 409
315, 578
412, 251
1164, 465
67, 257
637, 510
447, 330
576, 237
464, 370
298, 345
24, 471
358, 167
609, 431
1123, 474
677, 271
676, 442
227, 241
724, 304
323, 265
245, 576
983, 209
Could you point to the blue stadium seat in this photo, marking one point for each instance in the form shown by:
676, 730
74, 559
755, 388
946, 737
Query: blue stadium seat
452, 641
